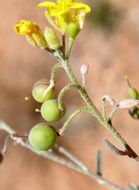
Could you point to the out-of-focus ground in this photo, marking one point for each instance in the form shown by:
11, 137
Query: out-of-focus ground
110, 56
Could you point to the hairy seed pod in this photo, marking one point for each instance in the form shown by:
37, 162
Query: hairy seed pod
50, 111
42, 136
41, 91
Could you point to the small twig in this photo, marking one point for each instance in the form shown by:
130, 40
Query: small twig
5, 145
114, 149
18, 138
99, 163
64, 45
71, 157
128, 82
109, 99
84, 81
103, 107
84, 70
115, 109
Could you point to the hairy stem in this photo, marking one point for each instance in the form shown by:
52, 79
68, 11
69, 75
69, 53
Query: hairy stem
62, 93
103, 120
53, 72
66, 124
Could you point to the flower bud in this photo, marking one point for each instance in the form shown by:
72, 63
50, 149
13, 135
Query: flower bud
43, 91
32, 32
50, 111
84, 69
133, 93
51, 39
42, 137
127, 103
73, 29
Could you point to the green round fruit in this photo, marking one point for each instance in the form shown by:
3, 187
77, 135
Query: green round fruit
42, 137
50, 111
133, 93
73, 29
40, 93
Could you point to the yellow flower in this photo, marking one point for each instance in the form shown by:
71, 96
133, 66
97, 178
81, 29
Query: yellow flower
32, 33
64, 12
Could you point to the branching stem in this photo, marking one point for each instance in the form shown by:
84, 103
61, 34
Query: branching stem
103, 120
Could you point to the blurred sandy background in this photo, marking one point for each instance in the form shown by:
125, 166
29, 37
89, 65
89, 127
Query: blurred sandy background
110, 56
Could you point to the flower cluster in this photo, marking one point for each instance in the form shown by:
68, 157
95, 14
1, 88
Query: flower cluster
64, 12
66, 16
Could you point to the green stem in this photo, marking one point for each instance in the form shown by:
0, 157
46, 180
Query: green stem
53, 78
62, 93
71, 42
103, 106
81, 90
84, 81
66, 124
103, 120
53, 72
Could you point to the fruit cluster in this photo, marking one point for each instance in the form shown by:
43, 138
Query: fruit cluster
67, 18
43, 136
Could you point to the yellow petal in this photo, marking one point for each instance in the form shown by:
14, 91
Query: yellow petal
25, 27
17, 28
80, 6
47, 4
65, 1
